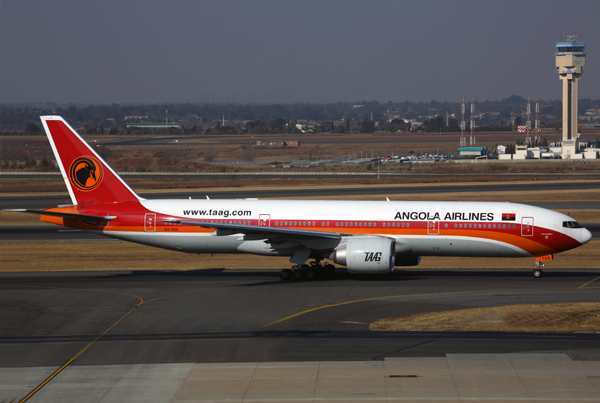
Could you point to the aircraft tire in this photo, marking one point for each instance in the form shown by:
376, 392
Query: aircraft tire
329, 270
285, 274
538, 273
310, 274
298, 274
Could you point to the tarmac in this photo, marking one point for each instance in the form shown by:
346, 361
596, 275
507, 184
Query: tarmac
453, 378
245, 335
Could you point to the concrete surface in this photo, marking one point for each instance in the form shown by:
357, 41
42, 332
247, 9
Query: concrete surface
456, 377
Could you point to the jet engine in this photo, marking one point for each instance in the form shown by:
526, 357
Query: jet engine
366, 255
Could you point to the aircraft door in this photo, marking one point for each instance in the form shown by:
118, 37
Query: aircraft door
433, 227
150, 222
527, 226
264, 220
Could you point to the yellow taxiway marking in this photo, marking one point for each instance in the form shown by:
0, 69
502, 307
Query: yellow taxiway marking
385, 297
406, 295
66, 364
591, 281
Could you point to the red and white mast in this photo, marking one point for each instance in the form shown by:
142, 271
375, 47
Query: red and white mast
528, 138
463, 141
472, 139
538, 129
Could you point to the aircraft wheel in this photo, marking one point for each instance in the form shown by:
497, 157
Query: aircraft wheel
310, 274
298, 274
538, 273
285, 274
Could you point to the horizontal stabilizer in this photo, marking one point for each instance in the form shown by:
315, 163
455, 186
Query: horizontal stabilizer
76, 216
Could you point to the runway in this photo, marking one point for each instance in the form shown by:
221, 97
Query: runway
321, 175
391, 191
252, 316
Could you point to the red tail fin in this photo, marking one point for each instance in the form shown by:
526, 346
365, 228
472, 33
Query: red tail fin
88, 178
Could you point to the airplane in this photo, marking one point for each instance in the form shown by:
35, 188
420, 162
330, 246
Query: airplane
364, 236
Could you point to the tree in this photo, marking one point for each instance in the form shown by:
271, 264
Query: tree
32, 129
366, 126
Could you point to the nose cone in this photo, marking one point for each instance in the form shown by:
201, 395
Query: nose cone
586, 235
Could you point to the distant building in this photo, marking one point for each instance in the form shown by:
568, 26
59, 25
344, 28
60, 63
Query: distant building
472, 152
154, 125
292, 143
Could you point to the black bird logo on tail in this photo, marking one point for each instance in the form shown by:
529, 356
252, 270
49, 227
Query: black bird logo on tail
86, 173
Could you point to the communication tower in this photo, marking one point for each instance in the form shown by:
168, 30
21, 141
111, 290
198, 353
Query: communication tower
528, 138
472, 139
570, 60
463, 141
538, 129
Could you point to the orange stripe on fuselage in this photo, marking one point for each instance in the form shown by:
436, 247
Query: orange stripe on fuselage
134, 222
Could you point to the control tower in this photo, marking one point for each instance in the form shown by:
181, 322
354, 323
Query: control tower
570, 59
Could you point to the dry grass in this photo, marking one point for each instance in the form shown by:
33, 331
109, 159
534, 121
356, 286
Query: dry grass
119, 255
540, 318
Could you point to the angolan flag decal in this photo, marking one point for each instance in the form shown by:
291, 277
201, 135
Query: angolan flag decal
509, 217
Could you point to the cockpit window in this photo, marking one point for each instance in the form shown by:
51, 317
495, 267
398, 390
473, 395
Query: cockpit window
571, 224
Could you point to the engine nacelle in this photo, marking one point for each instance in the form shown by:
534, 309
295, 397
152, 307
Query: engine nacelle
366, 255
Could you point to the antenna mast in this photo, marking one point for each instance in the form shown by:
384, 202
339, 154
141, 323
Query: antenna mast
472, 139
528, 138
463, 141
538, 129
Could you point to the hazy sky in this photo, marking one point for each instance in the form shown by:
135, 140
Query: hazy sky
276, 51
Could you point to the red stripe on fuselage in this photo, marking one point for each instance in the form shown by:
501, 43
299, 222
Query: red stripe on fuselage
131, 218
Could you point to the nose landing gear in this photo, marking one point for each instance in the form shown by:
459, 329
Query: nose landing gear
537, 271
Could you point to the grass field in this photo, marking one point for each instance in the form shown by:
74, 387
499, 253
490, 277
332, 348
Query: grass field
538, 318
126, 256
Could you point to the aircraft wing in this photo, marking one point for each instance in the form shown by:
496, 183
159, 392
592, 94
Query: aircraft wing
228, 229
76, 216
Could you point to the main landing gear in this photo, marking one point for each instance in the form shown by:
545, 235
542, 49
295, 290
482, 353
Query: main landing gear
537, 271
314, 271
